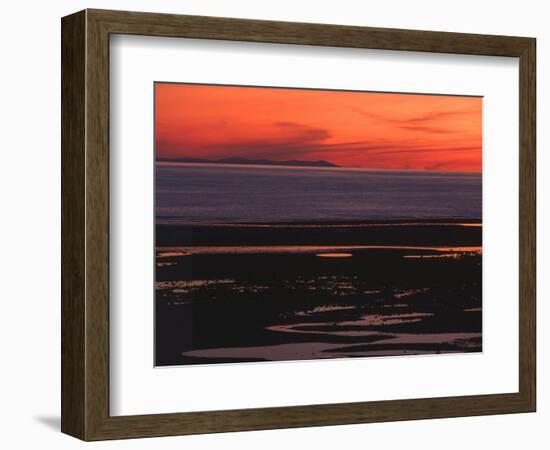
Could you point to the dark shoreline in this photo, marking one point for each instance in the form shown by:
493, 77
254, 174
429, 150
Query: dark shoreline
419, 221
432, 232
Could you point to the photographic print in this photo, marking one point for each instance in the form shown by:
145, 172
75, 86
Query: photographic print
296, 224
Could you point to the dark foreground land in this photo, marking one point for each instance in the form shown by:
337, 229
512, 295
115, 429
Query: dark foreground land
237, 293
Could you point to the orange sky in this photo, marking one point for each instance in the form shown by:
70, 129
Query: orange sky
350, 129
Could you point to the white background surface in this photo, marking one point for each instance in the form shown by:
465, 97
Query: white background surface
139, 388
30, 238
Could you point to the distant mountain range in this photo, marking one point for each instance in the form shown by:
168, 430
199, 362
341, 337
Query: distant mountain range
263, 162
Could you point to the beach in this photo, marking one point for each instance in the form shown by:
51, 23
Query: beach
269, 291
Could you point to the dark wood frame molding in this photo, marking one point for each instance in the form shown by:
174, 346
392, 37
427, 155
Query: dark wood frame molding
85, 224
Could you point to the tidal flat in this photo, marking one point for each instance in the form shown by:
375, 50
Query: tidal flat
293, 291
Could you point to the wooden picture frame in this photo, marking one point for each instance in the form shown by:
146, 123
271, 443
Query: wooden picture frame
85, 224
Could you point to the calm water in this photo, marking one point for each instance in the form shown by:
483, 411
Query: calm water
230, 193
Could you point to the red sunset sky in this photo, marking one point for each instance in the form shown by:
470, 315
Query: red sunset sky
350, 129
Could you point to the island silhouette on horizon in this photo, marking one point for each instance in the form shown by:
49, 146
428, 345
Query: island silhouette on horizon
246, 161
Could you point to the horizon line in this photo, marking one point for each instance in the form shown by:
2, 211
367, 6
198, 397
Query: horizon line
333, 167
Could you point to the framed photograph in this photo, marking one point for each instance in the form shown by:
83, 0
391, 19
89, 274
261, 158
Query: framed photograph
272, 224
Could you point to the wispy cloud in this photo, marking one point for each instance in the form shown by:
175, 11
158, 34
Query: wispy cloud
427, 123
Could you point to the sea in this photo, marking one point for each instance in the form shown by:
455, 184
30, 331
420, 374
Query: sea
225, 193
224, 300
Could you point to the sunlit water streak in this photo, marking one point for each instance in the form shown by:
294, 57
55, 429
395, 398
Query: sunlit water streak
322, 350
340, 250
